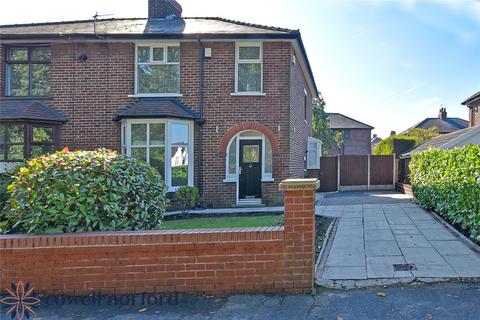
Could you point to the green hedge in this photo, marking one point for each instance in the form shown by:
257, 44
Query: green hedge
84, 191
448, 181
395, 144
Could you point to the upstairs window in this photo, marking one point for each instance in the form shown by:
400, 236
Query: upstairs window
158, 69
27, 71
346, 134
248, 68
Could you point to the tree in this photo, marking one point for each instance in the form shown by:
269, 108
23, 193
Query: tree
338, 141
422, 135
321, 126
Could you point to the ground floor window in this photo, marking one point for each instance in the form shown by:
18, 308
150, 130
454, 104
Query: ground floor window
314, 152
233, 152
166, 145
22, 141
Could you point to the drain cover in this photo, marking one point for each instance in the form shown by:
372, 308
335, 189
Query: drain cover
404, 267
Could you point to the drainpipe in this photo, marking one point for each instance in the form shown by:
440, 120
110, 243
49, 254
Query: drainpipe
201, 121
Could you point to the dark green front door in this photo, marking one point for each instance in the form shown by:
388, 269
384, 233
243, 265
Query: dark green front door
250, 169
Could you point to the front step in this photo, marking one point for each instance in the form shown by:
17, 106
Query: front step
249, 203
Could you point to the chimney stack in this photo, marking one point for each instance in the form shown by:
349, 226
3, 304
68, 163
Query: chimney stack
160, 9
374, 135
442, 114
393, 133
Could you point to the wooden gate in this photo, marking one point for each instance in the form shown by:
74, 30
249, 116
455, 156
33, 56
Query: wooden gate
357, 172
328, 174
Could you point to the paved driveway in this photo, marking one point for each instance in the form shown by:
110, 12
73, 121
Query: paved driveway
398, 242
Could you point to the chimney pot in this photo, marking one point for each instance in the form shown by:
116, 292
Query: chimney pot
442, 114
160, 9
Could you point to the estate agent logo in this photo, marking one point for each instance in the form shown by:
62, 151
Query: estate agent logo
20, 301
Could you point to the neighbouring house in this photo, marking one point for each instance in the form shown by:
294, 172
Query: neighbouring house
443, 124
356, 135
222, 105
375, 140
456, 139
473, 104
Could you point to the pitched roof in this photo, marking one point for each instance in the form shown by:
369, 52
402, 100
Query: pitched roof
340, 121
157, 108
472, 98
439, 141
32, 110
444, 126
143, 26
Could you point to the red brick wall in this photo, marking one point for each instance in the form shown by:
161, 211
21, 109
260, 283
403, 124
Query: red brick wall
273, 259
299, 128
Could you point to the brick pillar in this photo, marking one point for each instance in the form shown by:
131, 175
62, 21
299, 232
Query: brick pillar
299, 229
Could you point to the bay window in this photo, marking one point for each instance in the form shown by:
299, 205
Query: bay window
19, 142
248, 68
314, 152
27, 71
158, 69
167, 145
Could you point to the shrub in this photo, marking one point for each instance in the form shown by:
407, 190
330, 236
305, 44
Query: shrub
448, 181
395, 144
188, 198
85, 191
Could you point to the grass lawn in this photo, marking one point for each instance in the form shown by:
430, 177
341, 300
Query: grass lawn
223, 222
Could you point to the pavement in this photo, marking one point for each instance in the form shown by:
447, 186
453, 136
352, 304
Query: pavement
439, 302
390, 242
362, 197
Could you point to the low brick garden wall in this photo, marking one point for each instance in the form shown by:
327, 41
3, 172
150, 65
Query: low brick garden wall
269, 259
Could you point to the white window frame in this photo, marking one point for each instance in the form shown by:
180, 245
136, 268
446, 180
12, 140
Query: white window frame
318, 143
153, 62
127, 146
233, 177
238, 45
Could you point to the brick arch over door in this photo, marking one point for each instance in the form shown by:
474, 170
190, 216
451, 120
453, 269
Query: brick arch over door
242, 126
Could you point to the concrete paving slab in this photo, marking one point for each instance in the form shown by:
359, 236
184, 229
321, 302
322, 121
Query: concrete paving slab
379, 234
437, 234
434, 271
423, 256
383, 267
412, 241
344, 273
452, 248
382, 248
341, 259
466, 266
404, 229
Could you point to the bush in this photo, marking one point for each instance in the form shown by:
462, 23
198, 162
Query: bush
188, 198
448, 181
85, 191
395, 145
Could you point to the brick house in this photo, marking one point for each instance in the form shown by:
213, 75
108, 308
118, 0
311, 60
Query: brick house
473, 104
356, 135
218, 104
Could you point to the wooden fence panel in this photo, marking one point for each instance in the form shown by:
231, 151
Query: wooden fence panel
353, 170
328, 174
381, 170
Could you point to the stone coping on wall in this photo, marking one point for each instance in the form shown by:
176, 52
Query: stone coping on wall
299, 184
25, 241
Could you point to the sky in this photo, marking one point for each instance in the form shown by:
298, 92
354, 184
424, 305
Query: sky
387, 63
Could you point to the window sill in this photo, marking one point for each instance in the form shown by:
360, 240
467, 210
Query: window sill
27, 97
229, 180
248, 94
268, 180
313, 168
155, 95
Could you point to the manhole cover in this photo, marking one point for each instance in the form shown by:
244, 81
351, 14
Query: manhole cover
404, 267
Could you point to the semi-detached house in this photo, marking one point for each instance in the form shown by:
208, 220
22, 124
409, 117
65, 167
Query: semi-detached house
221, 105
